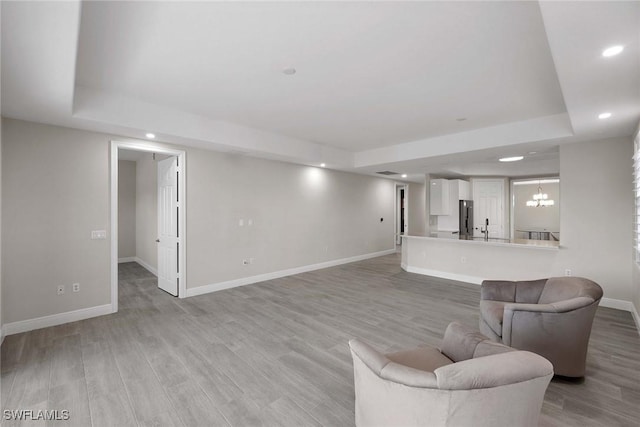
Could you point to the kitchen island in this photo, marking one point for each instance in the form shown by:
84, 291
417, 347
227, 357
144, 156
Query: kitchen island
475, 259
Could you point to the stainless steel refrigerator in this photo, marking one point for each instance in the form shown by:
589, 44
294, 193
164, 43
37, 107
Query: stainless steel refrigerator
466, 219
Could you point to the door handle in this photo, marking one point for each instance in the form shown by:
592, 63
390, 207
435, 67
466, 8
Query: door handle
157, 240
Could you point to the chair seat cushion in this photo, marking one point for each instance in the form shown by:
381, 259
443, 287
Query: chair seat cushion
492, 313
422, 358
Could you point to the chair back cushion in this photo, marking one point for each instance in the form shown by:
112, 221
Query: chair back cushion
563, 288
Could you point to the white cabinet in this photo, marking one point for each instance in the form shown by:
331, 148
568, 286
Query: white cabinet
439, 203
445, 194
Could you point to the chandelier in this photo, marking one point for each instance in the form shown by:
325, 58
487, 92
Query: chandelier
540, 199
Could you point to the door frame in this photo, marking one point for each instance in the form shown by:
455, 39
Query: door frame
148, 147
396, 212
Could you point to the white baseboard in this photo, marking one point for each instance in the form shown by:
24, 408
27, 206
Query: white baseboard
146, 265
127, 259
443, 275
56, 319
200, 290
618, 304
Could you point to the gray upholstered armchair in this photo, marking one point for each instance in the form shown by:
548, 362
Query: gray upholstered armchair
550, 317
470, 381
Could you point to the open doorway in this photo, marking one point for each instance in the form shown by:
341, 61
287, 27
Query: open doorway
148, 211
401, 212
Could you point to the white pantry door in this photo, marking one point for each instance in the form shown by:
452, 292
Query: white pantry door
488, 200
168, 237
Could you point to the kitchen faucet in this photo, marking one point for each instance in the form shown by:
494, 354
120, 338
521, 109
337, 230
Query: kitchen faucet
486, 230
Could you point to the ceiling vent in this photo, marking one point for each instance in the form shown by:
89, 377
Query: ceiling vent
388, 173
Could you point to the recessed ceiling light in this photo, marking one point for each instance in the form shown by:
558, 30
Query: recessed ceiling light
289, 71
322, 165
404, 175
604, 115
612, 51
150, 135
511, 159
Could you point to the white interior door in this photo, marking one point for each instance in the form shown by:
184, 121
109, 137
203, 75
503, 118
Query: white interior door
168, 237
488, 200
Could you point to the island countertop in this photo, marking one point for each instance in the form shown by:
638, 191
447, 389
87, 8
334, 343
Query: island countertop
516, 243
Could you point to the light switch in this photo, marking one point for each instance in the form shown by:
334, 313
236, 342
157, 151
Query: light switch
98, 234
241, 223
250, 222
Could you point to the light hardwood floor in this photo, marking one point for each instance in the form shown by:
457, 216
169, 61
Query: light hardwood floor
276, 353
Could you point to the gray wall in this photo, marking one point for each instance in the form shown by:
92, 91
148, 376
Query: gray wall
301, 215
147, 211
635, 269
56, 190
126, 209
417, 209
1, 311
597, 212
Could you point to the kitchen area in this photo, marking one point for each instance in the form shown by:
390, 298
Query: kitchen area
480, 225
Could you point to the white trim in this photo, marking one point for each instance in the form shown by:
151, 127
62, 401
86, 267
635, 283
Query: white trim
617, 304
127, 259
620, 304
149, 147
200, 290
1, 334
636, 317
443, 275
56, 319
146, 266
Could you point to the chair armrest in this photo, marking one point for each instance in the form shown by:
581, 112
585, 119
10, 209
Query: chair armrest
493, 371
554, 307
539, 308
373, 359
498, 290
384, 368
460, 342
408, 376
538, 311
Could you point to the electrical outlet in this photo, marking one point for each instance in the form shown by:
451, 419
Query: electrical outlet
245, 262
76, 287
98, 234
60, 289
567, 272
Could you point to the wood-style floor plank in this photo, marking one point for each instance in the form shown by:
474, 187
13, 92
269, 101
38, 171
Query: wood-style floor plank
276, 353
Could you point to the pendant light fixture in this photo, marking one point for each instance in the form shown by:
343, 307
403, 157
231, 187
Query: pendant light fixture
540, 199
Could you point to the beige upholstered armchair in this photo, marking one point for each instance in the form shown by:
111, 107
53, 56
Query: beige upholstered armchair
471, 381
550, 317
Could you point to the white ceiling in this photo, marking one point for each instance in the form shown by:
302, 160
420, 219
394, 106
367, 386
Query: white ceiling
379, 85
